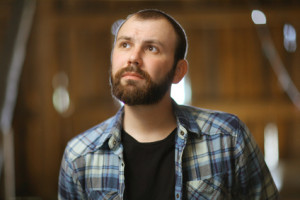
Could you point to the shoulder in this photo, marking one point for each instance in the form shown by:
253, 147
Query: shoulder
212, 121
90, 140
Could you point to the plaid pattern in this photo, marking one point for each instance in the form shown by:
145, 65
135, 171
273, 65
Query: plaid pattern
215, 158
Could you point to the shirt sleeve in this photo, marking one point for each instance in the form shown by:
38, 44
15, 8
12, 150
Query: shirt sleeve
69, 186
253, 178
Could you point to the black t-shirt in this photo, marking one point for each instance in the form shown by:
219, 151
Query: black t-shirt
149, 168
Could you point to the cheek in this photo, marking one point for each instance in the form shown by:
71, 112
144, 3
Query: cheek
159, 68
116, 62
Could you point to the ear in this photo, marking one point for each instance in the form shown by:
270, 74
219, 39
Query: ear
181, 70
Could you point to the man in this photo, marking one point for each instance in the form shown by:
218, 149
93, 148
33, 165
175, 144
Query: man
153, 148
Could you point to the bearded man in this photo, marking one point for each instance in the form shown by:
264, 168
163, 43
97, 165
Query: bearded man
153, 148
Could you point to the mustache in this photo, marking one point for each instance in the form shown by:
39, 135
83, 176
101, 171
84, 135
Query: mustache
134, 69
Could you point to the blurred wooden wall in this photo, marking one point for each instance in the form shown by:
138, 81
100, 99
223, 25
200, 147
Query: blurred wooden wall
228, 72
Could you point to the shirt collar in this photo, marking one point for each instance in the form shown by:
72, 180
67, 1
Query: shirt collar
185, 119
111, 129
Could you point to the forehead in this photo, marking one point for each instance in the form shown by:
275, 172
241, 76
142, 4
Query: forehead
159, 29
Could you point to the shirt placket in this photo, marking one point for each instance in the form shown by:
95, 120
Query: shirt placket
118, 151
179, 147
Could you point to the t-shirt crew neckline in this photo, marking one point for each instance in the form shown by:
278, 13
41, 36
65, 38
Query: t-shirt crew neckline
128, 138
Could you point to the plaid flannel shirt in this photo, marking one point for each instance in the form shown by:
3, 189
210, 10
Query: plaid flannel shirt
215, 158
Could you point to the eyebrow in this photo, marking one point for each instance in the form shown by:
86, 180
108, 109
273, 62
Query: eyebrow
150, 41
124, 38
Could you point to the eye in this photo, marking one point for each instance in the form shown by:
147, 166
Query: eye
125, 45
152, 49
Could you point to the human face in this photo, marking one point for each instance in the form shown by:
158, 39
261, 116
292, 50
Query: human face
142, 61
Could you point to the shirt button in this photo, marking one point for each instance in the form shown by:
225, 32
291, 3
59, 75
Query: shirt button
112, 143
182, 133
177, 195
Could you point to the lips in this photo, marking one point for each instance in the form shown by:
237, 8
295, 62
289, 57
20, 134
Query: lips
132, 75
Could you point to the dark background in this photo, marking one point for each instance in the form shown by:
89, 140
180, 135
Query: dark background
228, 71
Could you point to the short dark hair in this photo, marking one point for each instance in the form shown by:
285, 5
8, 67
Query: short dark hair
181, 46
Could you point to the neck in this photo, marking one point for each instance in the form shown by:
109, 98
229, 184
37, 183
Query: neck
149, 123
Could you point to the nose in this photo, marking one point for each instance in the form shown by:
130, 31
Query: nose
135, 57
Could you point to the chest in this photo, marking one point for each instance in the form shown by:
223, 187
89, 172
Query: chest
201, 166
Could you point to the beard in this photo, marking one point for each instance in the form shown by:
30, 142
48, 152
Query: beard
133, 93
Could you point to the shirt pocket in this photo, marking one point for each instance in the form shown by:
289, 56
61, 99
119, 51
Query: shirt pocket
106, 188
211, 188
97, 194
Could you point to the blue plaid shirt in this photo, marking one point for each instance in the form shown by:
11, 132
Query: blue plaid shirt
215, 158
